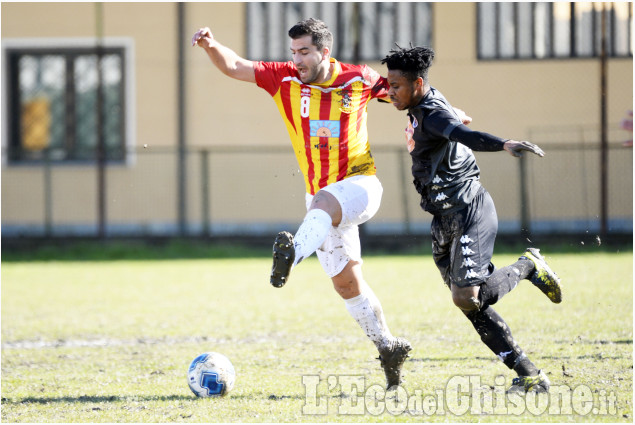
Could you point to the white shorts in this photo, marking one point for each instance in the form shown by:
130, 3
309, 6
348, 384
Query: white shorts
359, 197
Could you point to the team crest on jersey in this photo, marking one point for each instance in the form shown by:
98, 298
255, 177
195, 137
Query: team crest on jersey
346, 103
325, 128
410, 142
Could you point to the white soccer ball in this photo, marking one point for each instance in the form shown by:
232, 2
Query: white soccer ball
211, 375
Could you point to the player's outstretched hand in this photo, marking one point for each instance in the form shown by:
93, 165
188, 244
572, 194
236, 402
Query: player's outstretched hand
203, 37
516, 148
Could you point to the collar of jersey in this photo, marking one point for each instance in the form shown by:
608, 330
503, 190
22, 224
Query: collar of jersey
336, 72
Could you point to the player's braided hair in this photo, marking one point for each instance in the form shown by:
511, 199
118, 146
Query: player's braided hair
412, 62
320, 35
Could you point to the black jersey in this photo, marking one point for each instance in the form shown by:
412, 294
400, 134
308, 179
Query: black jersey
443, 165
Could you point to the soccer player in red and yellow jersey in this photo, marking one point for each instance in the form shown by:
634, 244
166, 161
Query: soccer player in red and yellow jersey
326, 121
323, 104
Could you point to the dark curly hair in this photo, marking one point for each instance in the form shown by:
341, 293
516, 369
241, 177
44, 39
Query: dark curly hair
320, 35
413, 62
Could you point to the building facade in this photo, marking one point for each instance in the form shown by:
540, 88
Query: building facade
184, 150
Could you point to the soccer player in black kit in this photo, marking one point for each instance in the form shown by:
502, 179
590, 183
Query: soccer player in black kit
465, 223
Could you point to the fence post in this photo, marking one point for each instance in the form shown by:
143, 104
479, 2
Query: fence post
181, 104
101, 143
525, 219
604, 162
404, 193
205, 192
48, 195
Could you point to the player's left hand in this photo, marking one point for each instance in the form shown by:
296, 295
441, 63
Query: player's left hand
516, 148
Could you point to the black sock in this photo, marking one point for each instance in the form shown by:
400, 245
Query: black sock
502, 281
495, 333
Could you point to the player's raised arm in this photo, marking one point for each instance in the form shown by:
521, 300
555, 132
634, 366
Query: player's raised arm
225, 59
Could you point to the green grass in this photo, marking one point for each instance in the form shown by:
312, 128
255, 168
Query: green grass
110, 341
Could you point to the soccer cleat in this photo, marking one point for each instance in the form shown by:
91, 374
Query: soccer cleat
524, 384
392, 357
283, 256
543, 277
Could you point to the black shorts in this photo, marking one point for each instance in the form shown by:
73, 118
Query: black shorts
463, 242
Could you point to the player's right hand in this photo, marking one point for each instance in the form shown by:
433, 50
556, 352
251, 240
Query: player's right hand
203, 37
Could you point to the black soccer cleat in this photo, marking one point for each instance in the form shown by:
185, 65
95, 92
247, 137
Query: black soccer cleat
543, 277
283, 256
525, 384
392, 357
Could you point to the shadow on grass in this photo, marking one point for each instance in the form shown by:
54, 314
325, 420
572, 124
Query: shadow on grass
128, 399
93, 399
113, 249
131, 250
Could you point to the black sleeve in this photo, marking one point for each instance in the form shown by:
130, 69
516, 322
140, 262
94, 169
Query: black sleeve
476, 140
443, 123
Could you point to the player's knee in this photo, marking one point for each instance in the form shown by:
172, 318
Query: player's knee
325, 201
467, 302
348, 282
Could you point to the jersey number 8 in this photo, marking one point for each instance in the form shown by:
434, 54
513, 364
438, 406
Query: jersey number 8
305, 102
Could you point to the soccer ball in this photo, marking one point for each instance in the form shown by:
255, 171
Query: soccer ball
211, 375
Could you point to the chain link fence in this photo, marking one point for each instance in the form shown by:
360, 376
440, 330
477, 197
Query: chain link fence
259, 190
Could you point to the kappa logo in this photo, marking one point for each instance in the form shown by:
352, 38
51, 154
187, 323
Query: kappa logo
503, 355
441, 197
467, 262
437, 179
466, 250
305, 92
470, 274
466, 239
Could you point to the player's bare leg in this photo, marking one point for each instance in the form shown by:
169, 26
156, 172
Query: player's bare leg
289, 250
365, 308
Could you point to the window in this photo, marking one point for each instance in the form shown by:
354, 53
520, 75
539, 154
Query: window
361, 31
531, 30
52, 106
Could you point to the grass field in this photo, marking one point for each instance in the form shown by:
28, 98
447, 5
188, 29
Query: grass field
110, 341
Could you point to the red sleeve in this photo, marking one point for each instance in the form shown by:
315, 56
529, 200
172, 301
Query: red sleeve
269, 75
378, 83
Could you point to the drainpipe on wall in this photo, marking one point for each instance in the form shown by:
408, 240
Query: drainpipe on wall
181, 172
100, 148
604, 197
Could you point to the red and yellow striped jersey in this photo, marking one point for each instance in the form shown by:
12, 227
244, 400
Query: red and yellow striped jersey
326, 122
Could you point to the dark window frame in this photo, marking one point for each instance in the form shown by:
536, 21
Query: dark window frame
550, 47
13, 151
344, 20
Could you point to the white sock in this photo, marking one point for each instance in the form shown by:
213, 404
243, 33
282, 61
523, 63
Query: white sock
311, 234
366, 310
376, 305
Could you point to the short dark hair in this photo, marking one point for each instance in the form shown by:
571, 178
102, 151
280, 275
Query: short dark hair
320, 35
413, 62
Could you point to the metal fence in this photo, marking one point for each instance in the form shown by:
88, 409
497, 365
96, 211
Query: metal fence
259, 190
